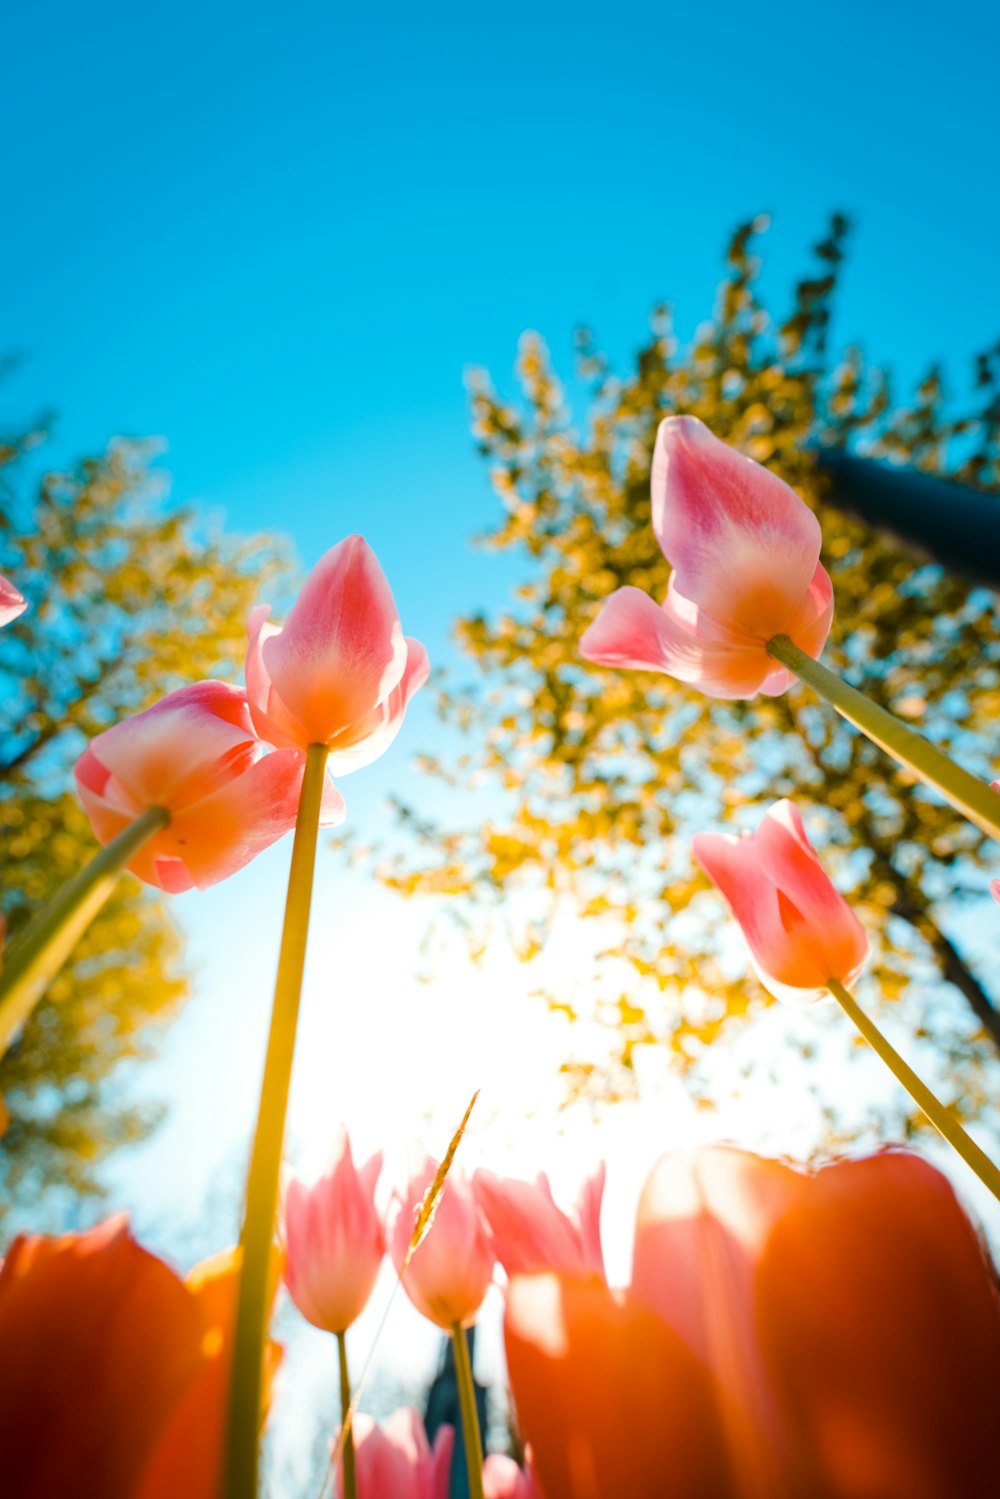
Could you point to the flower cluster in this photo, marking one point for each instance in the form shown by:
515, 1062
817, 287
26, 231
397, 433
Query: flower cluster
339, 674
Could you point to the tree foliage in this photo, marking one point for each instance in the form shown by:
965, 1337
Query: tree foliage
129, 597
605, 775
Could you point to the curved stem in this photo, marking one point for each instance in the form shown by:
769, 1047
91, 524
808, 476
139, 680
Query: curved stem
470, 1416
974, 798
253, 1304
346, 1422
945, 1124
35, 957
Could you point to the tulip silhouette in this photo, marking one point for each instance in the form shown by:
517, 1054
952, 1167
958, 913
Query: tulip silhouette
821, 1335
531, 1232
800, 930
195, 755
745, 555
340, 673
333, 1240
12, 603
396, 1460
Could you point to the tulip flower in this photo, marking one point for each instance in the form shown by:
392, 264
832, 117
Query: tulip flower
334, 684
333, 1240
114, 1369
12, 603
503, 1479
833, 1333
446, 1273
745, 555
531, 1232
449, 1273
196, 755
340, 673
800, 930
806, 944
397, 1460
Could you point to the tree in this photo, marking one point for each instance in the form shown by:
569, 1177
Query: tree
606, 774
129, 597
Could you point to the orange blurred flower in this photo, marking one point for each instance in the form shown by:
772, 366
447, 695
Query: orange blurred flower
825, 1335
114, 1373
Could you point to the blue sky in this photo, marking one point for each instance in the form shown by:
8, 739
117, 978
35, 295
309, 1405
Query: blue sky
277, 236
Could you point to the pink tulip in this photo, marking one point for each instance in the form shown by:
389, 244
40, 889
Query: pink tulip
451, 1269
503, 1479
194, 753
341, 672
12, 603
832, 1334
530, 1232
395, 1461
800, 930
334, 1241
745, 555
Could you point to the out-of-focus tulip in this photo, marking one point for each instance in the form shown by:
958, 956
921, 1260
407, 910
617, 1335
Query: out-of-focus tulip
396, 1459
12, 603
503, 1479
341, 671
113, 1368
189, 1454
450, 1271
194, 753
800, 930
832, 1334
531, 1232
745, 555
334, 1241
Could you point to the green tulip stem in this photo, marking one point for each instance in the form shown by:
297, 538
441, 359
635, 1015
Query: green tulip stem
346, 1421
470, 1416
974, 798
253, 1304
945, 1123
36, 955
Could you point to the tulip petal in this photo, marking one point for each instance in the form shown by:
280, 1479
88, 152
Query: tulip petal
880, 1323
342, 650
609, 1398
451, 1269
743, 544
503, 1479
781, 956
789, 862
333, 1240
12, 601
188, 1457
218, 836
531, 1233
366, 740
396, 1459
702, 1221
99, 1342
